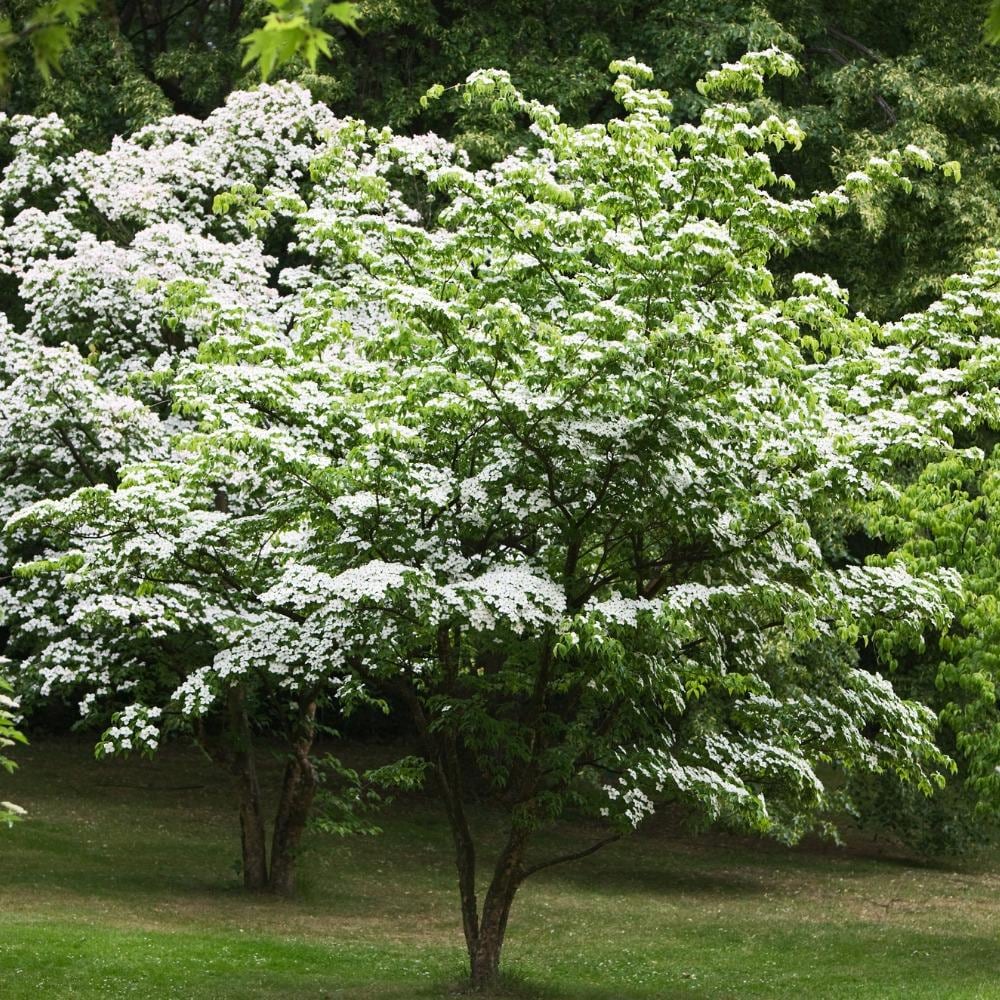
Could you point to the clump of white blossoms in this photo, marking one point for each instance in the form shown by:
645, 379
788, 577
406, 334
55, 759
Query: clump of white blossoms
110, 254
535, 453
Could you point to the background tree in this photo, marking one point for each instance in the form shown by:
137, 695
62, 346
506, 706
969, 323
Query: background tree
291, 30
944, 364
45, 31
100, 254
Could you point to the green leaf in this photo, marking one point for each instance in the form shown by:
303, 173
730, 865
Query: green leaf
991, 29
346, 13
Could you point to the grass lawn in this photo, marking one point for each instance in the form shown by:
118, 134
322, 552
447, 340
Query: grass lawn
123, 883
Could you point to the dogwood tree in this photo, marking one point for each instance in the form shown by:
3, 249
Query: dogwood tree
941, 368
538, 452
99, 253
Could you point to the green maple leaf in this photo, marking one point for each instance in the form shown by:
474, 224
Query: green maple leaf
991, 29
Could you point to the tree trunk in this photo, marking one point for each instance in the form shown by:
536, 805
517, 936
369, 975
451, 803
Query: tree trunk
227, 741
298, 790
449, 780
483, 936
244, 766
485, 962
484, 955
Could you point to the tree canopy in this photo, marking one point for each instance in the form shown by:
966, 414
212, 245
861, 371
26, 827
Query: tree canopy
541, 452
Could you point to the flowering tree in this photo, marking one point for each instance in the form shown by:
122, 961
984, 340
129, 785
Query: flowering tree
539, 453
101, 253
940, 368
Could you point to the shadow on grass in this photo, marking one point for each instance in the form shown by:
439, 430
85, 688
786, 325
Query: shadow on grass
631, 868
661, 862
517, 986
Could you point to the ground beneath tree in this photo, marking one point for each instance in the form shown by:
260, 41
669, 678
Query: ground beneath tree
124, 883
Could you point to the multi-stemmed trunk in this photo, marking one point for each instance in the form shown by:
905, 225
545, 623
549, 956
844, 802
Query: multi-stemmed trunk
485, 930
297, 793
486, 943
234, 749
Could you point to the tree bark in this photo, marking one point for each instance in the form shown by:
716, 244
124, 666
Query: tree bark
484, 957
465, 851
298, 790
228, 742
244, 766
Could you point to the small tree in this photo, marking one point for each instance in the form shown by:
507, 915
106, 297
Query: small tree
538, 452
101, 255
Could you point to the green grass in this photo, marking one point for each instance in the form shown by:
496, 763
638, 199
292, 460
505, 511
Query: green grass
122, 883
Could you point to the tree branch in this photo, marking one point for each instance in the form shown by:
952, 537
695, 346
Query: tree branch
573, 856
